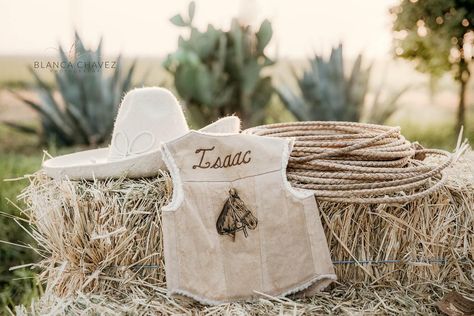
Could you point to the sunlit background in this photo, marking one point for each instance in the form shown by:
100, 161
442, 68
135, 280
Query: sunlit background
411, 74
142, 28
32, 30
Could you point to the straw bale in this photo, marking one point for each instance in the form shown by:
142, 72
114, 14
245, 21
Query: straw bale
101, 248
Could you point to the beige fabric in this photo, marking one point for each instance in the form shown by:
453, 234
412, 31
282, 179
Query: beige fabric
228, 124
286, 252
146, 117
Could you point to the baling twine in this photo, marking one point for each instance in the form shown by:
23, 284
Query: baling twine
358, 163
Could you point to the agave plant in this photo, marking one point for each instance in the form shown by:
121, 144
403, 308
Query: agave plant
383, 105
219, 72
327, 93
89, 98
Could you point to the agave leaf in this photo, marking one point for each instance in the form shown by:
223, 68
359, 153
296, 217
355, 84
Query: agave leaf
49, 106
20, 127
58, 118
69, 90
117, 73
338, 61
80, 50
382, 109
67, 76
141, 82
38, 80
356, 69
34, 105
82, 123
45, 113
372, 108
99, 108
98, 52
128, 78
52, 133
90, 98
359, 87
50, 102
294, 103
326, 93
114, 86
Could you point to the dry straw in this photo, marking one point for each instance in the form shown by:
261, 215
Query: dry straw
101, 248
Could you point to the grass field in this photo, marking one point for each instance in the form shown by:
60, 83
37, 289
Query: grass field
19, 155
15, 286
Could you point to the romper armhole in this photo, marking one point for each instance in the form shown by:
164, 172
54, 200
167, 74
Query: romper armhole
296, 193
177, 197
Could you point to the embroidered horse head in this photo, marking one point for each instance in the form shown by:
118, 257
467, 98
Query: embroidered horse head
235, 216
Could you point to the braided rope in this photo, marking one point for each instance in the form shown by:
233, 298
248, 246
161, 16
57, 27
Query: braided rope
358, 163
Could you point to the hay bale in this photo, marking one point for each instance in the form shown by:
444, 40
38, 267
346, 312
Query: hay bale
430, 239
98, 235
101, 244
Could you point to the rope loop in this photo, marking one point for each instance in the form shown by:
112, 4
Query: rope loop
358, 163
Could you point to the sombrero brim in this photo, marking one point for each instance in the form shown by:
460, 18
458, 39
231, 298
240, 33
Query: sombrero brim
93, 164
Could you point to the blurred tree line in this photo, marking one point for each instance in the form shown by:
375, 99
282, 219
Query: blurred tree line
438, 35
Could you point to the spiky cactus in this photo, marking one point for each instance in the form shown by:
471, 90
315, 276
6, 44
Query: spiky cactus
327, 93
383, 105
219, 72
89, 98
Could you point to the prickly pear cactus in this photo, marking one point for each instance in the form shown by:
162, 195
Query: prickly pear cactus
219, 72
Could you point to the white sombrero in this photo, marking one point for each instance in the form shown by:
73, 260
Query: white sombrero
146, 118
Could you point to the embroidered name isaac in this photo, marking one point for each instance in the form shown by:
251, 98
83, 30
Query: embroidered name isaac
208, 160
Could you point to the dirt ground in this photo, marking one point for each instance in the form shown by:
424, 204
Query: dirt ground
14, 110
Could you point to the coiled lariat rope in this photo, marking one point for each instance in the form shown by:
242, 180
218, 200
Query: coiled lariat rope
358, 163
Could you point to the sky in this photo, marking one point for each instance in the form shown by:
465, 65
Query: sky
142, 27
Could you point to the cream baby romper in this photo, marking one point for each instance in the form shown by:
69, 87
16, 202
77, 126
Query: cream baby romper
235, 227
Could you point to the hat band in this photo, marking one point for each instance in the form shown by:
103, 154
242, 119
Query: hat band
123, 147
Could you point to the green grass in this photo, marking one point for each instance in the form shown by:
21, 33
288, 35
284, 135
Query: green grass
16, 287
440, 135
19, 155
